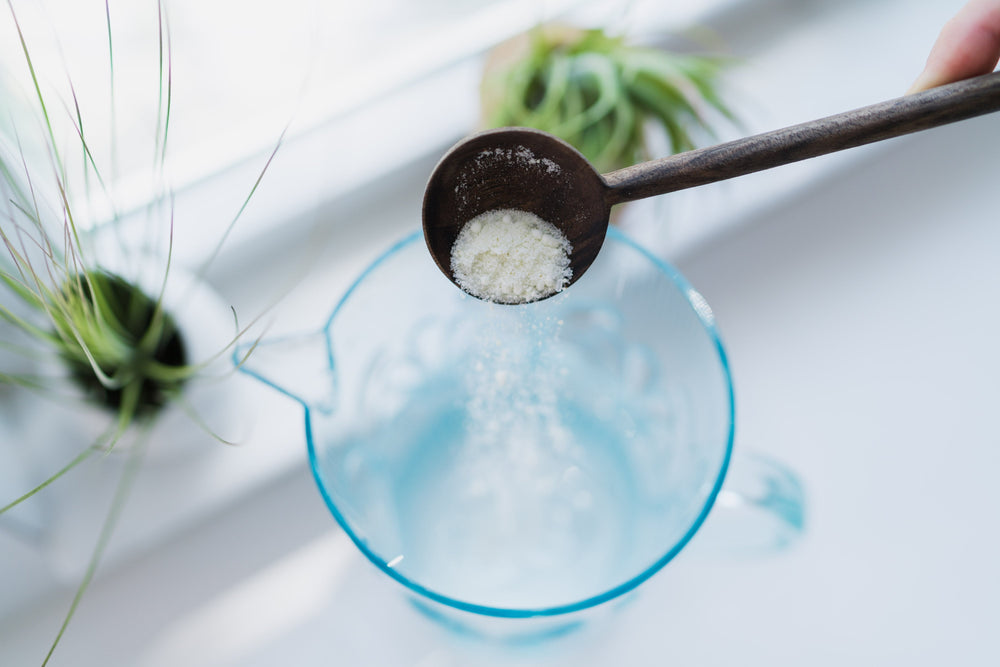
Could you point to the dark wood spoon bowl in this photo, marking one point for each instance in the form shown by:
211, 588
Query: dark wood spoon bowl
516, 168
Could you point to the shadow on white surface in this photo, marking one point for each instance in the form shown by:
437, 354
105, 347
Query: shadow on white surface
325, 604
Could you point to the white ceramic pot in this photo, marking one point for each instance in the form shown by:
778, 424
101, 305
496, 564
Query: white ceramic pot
49, 431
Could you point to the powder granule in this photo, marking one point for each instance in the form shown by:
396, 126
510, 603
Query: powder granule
511, 256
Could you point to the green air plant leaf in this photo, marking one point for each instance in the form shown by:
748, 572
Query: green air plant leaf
131, 340
599, 93
118, 342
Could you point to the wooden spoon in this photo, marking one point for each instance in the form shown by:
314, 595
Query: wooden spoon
520, 168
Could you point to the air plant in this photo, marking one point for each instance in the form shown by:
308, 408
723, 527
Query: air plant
113, 335
600, 93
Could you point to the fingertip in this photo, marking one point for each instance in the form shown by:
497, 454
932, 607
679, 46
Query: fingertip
925, 81
968, 45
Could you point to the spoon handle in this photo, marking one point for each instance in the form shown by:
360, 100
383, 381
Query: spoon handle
893, 118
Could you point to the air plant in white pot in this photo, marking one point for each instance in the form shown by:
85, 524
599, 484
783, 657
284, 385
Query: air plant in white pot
121, 325
602, 93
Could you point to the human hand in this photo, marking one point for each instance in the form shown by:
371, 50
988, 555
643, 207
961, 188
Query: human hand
969, 45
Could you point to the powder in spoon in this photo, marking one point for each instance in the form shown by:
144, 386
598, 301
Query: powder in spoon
511, 256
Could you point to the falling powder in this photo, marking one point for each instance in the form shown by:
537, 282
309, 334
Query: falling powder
511, 256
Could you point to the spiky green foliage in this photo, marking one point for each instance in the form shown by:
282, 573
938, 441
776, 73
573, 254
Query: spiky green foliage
598, 93
136, 342
117, 341
114, 336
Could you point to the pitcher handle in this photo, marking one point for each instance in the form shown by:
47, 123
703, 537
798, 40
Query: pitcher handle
761, 509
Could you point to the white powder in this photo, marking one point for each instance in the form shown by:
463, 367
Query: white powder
511, 256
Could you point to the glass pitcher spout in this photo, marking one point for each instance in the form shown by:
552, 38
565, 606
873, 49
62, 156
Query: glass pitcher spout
299, 366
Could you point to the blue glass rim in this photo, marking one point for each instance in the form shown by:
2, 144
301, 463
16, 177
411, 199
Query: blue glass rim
704, 314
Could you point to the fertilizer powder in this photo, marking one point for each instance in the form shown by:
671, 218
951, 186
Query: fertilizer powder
511, 256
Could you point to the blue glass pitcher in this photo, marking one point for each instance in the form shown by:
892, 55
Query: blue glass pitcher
516, 467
